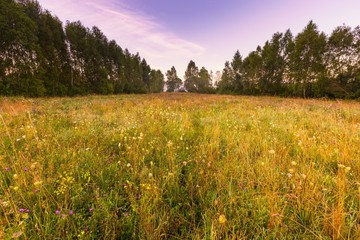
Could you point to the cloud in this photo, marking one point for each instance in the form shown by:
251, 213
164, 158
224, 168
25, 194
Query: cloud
130, 28
139, 28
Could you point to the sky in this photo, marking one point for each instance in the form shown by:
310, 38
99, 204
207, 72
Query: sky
172, 32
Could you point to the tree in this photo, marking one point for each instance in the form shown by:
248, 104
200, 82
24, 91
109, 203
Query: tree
287, 47
341, 59
116, 67
156, 81
307, 60
236, 64
191, 77
173, 82
77, 38
273, 66
252, 72
146, 70
225, 83
55, 57
19, 52
204, 81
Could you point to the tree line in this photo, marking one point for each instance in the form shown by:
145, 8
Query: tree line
41, 57
310, 64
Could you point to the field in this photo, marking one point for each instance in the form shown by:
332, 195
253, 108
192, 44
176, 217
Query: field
179, 166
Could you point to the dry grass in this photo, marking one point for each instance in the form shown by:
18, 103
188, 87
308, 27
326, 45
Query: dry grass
179, 166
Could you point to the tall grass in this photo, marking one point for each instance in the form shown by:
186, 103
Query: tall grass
179, 166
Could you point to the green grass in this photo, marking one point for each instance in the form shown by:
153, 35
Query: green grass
179, 166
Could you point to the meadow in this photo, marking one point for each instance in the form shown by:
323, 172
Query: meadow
179, 166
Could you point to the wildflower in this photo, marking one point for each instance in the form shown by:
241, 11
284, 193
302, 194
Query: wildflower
63, 215
272, 151
128, 165
184, 163
7, 169
33, 166
262, 163
291, 170
71, 212
38, 183
57, 212
91, 209
21, 210
150, 175
16, 188
15, 176
17, 234
347, 169
289, 175
26, 169
222, 219
36, 190
27, 210
341, 166
293, 163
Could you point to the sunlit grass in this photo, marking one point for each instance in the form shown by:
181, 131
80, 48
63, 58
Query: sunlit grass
179, 166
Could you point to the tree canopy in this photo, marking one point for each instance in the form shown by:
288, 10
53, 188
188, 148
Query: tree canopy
41, 57
310, 64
